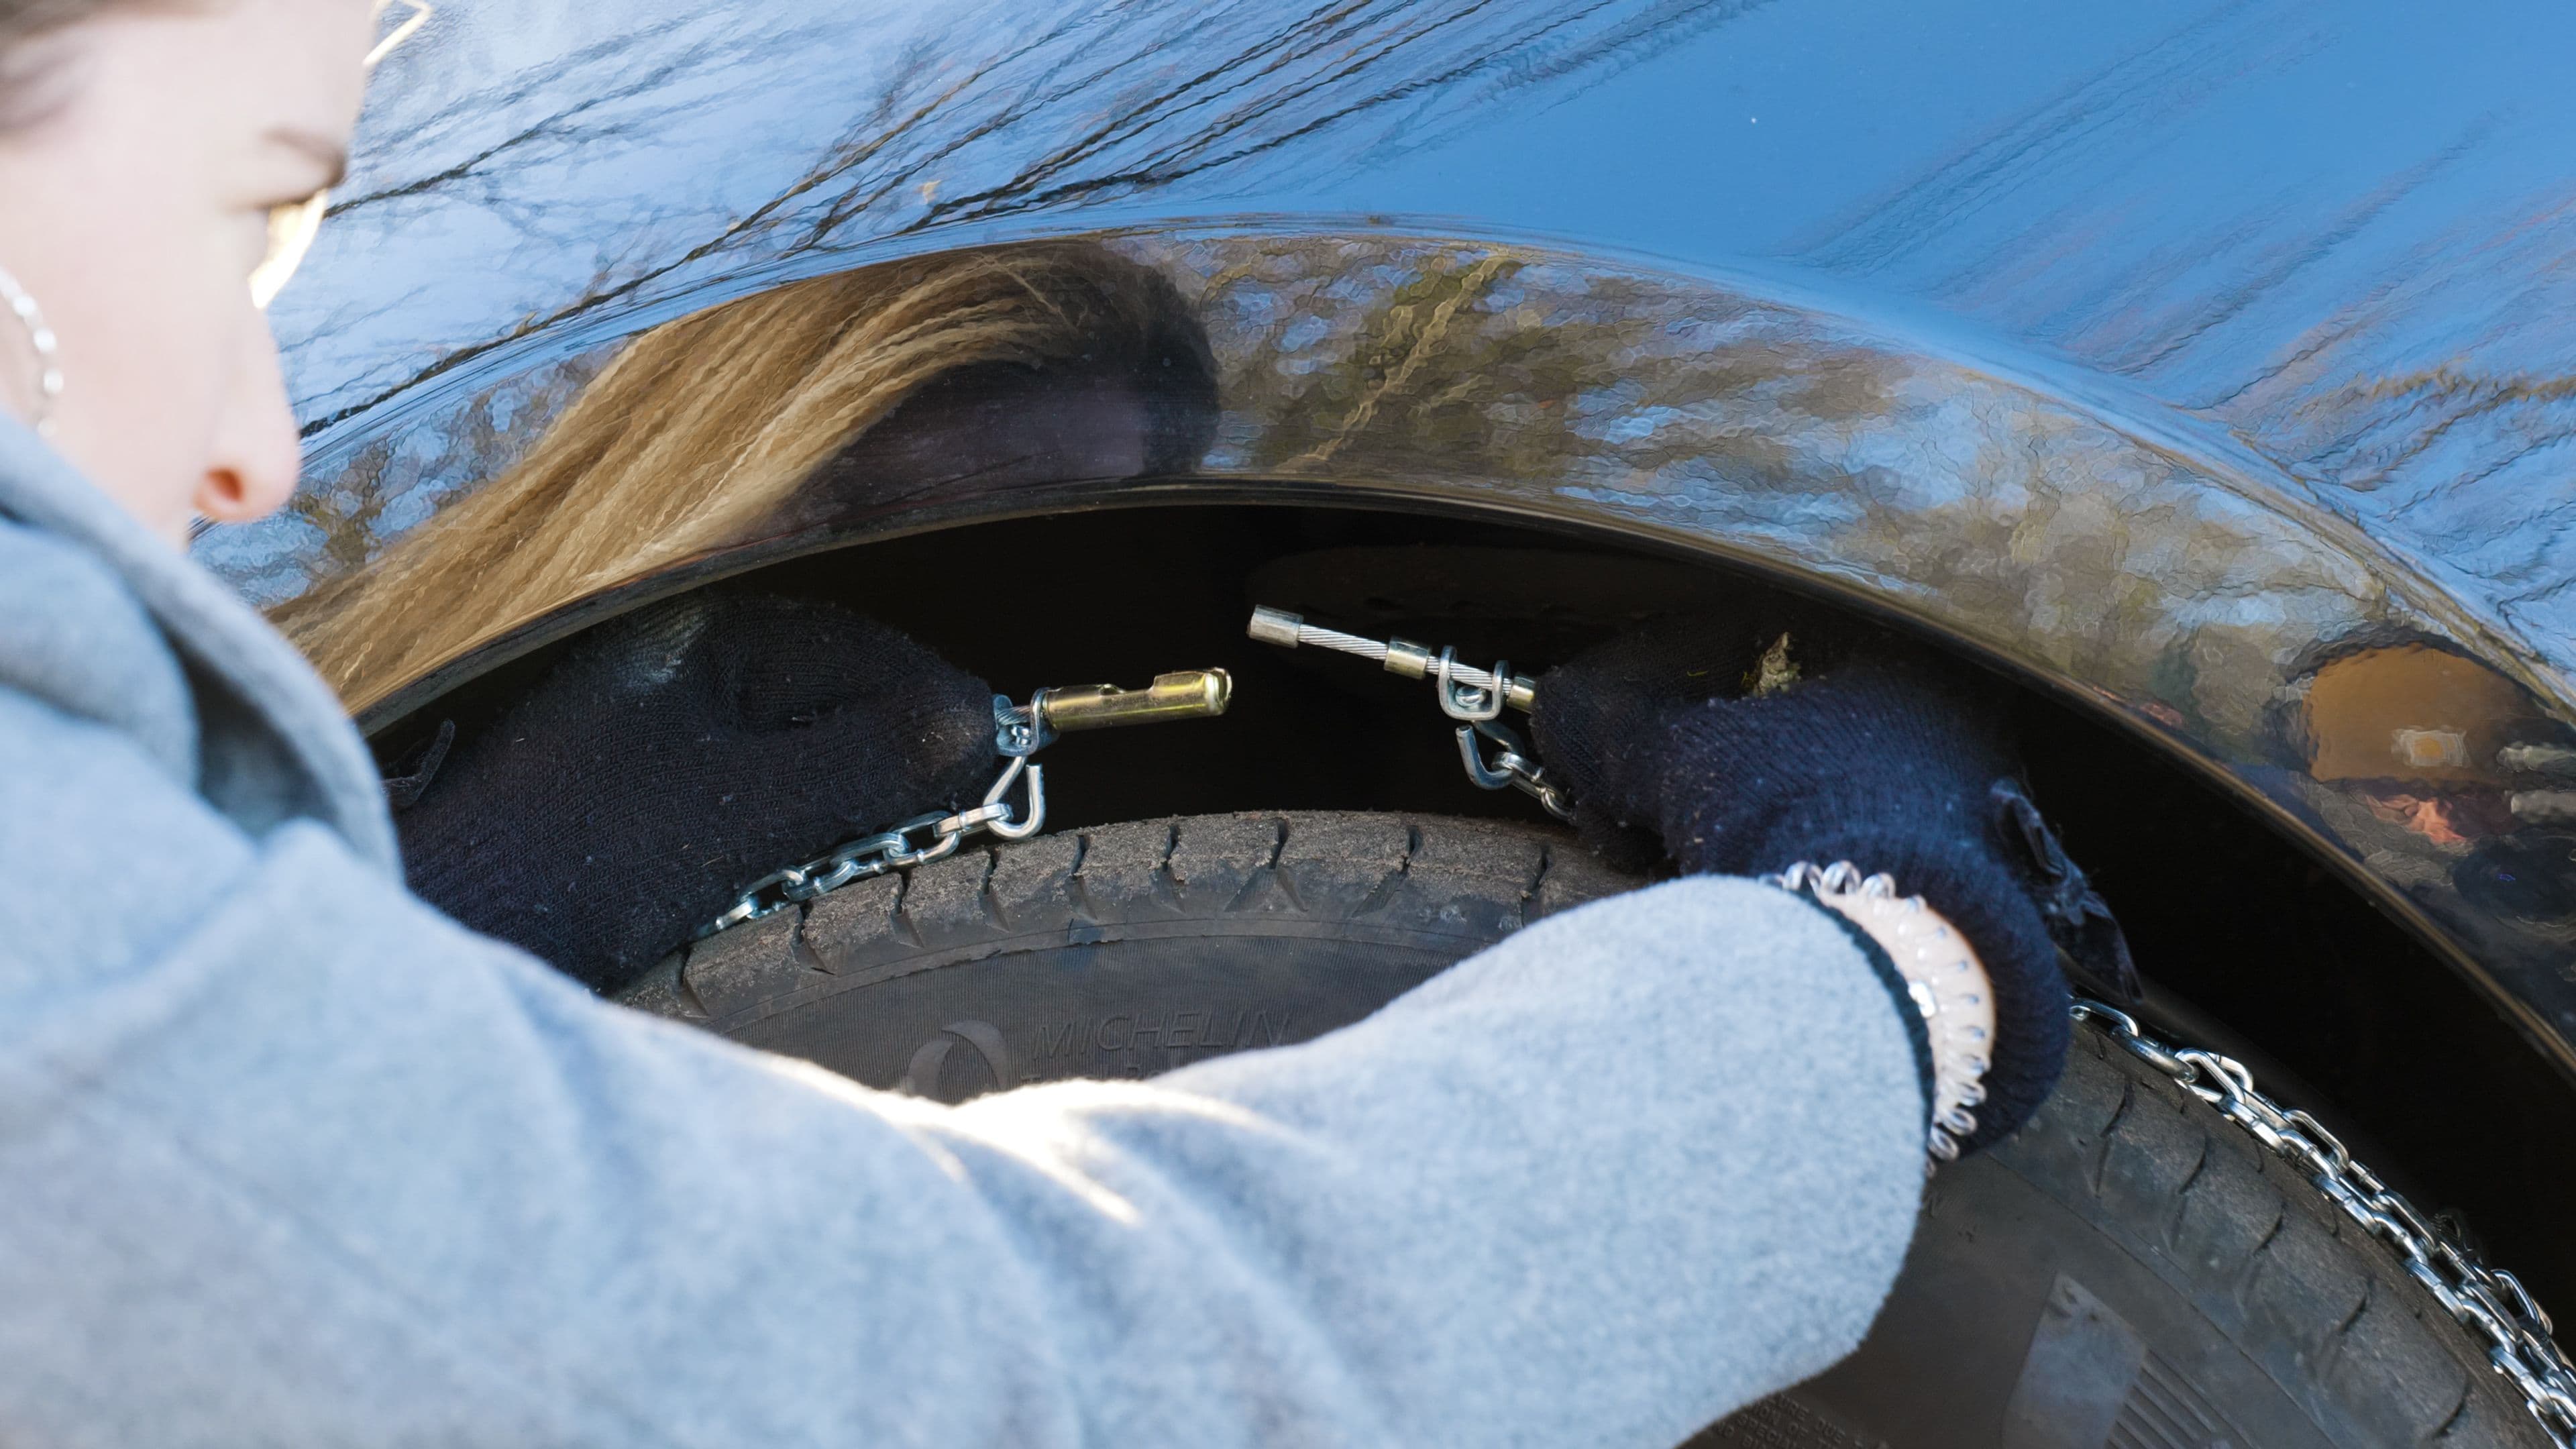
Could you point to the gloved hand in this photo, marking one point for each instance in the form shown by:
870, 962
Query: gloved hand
1742, 757
677, 754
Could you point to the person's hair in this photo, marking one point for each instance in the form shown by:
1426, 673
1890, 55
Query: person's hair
703, 428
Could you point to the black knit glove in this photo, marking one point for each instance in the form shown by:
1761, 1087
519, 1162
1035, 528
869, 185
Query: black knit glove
1743, 756
674, 756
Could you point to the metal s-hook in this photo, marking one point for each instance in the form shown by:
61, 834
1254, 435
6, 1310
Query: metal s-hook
1510, 768
1022, 825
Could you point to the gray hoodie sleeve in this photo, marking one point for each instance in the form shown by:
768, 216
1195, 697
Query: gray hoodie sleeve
289, 1158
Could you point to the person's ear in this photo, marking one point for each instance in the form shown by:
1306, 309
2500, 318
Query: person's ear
255, 456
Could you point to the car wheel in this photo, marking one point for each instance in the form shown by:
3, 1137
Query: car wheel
2130, 1269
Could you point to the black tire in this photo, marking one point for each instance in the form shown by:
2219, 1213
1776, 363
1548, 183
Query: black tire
2131, 1269
2128, 1270
1122, 951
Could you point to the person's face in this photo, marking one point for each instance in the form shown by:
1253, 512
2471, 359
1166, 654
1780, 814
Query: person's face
142, 162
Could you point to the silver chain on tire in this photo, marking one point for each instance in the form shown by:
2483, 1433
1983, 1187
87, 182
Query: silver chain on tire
2489, 1302
1019, 731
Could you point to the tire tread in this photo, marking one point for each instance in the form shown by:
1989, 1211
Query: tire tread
1474, 880
2325, 1311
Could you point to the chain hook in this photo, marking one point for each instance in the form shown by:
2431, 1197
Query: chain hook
1496, 776
1510, 768
1028, 822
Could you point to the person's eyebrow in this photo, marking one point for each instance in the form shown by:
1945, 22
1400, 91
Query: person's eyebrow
329, 155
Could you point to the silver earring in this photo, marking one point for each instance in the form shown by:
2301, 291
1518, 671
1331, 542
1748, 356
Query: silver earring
49, 372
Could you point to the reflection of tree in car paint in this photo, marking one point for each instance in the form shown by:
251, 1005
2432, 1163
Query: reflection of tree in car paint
1053, 109
766, 415
2189, 599
2038, 529
2025, 523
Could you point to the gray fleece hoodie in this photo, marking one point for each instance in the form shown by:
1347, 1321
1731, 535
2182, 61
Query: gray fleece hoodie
286, 1157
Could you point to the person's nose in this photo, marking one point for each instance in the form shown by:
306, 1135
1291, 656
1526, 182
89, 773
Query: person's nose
256, 455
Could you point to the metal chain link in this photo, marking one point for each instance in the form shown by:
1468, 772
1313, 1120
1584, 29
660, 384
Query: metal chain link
2489, 1302
1017, 734
1512, 766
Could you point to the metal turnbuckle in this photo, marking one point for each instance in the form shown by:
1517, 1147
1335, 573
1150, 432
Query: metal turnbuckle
1474, 697
1019, 731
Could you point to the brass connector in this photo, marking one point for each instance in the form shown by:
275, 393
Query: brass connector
1188, 694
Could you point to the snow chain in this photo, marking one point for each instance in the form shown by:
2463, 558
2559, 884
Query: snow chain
2489, 1302
1019, 731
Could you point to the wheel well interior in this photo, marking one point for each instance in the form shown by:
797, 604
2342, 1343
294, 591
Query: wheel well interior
2246, 938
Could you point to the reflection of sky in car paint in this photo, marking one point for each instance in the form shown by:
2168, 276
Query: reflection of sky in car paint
2340, 232
2099, 179
2254, 210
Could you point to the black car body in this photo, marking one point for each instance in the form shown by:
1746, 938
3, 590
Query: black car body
2210, 368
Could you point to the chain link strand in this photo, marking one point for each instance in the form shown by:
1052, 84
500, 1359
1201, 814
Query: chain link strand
2489, 1302
1018, 733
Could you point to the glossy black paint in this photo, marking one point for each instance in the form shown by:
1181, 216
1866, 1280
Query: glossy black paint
2207, 363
